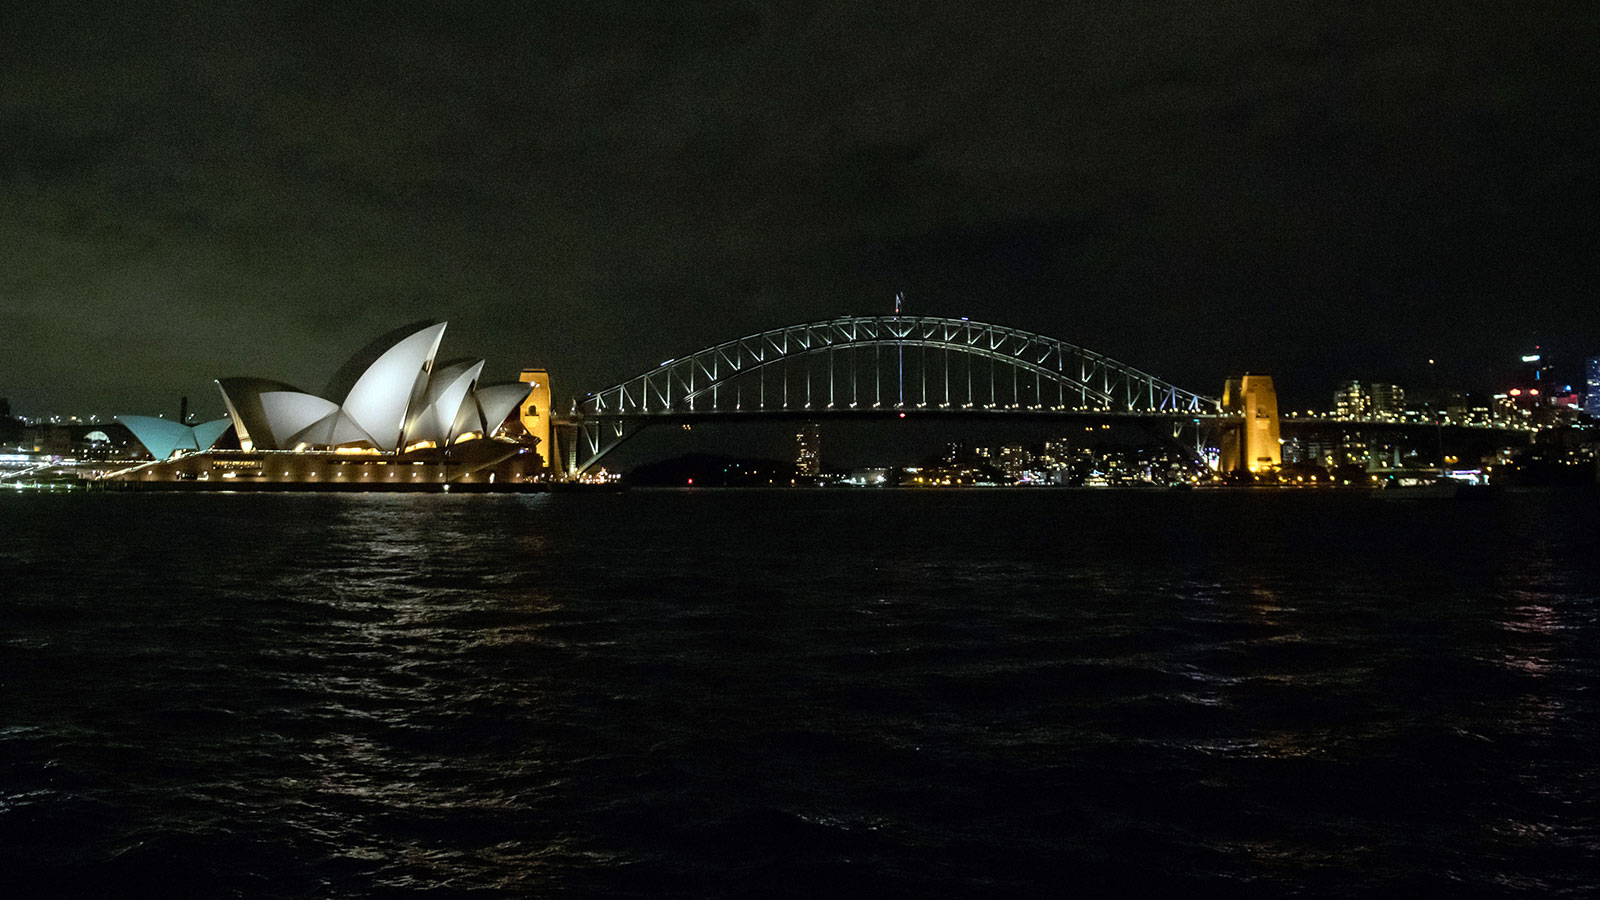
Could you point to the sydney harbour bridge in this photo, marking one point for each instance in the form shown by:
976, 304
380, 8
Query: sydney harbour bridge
890, 366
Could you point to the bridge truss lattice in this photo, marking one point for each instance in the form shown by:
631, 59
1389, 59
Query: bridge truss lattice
864, 365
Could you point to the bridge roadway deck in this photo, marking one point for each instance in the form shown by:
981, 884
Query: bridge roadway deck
1307, 423
1295, 423
673, 417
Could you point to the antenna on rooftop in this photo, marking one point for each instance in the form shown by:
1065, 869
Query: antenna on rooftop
899, 297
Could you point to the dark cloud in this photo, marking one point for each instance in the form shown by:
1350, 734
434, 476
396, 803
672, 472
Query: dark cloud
1319, 190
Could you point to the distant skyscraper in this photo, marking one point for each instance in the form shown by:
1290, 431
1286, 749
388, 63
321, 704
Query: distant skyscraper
1388, 400
1351, 401
808, 450
1368, 400
1591, 395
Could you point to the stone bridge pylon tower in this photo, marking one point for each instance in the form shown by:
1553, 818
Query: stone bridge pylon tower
1253, 446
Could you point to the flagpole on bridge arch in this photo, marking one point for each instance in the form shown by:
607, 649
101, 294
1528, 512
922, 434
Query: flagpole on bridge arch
900, 351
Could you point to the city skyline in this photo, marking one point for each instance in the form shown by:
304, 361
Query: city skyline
952, 448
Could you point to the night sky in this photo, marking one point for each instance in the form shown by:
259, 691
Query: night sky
1317, 190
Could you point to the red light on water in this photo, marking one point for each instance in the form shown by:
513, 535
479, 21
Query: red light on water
902, 415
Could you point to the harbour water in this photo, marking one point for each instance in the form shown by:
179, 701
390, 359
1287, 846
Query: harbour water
799, 693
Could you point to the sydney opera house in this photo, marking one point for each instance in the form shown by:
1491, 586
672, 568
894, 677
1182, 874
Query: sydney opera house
392, 418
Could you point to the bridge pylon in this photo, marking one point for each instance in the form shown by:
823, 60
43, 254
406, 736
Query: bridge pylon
536, 414
1253, 445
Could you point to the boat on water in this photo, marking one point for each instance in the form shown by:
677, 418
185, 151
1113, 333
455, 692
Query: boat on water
1443, 489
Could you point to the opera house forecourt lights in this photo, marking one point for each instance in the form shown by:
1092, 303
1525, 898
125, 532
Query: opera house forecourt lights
390, 419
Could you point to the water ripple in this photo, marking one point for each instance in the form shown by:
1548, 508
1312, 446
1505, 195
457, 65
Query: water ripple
892, 693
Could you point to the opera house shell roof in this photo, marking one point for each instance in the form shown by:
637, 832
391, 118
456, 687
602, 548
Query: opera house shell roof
164, 437
389, 397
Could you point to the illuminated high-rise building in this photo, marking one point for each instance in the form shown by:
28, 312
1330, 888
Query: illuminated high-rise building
1350, 400
1532, 385
1388, 400
808, 450
1591, 379
1369, 400
1013, 460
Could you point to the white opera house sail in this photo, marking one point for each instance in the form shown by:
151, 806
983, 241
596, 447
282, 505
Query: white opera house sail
391, 405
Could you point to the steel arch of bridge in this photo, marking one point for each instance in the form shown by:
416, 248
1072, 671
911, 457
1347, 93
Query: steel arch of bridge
859, 364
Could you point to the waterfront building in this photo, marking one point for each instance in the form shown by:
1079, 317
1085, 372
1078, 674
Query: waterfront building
1322, 451
1013, 460
1369, 400
388, 397
391, 417
163, 437
808, 450
1056, 453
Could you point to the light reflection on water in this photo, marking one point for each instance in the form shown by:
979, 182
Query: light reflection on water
746, 693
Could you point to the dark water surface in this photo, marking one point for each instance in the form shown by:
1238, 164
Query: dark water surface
799, 694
